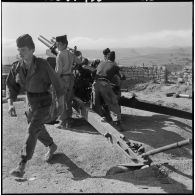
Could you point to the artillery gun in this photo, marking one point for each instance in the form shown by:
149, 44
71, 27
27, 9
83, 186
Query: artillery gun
84, 76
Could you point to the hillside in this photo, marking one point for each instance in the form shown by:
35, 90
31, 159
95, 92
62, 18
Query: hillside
148, 56
137, 56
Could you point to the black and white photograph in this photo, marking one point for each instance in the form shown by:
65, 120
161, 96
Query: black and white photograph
97, 97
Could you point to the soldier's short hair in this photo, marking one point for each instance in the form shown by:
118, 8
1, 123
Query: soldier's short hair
106, 51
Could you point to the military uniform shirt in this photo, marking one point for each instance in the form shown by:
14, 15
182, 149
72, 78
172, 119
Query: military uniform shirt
107, 69
64, 62
37, 79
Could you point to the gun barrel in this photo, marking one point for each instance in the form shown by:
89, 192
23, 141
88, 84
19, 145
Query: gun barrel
153, 107
185, 96
53, 40
51, 43
46, 39
167, 147
44, 42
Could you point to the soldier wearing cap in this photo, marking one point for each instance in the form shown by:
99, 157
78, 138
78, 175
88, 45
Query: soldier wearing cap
65, 61
103, 92
115, 80
34, 75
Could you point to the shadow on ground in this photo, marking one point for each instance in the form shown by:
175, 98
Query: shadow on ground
80, 125
151, 130
79, 174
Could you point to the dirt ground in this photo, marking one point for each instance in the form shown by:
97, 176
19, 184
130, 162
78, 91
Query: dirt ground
84, 156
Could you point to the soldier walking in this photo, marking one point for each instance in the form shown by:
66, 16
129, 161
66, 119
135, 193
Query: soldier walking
34, 75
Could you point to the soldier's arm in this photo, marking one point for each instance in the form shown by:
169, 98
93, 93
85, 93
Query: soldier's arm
12, 90
59, 64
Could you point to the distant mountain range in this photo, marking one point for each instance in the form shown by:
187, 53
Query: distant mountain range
135, 56
148, 56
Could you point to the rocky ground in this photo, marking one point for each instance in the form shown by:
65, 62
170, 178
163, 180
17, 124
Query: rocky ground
84, 156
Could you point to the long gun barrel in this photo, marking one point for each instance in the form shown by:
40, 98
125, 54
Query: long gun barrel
52, 44
153, 107
53, 39
47, 40
45, 43
49, 44
167, 147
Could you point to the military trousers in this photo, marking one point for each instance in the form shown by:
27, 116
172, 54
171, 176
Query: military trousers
68, 93
37, 116
102, 93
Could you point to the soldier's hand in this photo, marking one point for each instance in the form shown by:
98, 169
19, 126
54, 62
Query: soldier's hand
12, 111
60, 105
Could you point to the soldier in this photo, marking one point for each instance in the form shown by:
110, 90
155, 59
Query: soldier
103, 90
116, 79
64, 67
34, 75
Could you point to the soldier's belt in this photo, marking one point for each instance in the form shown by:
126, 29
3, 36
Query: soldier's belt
38, 94
106, 80
103, 79
70, 74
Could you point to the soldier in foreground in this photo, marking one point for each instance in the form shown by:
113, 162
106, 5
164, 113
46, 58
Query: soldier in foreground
34, 75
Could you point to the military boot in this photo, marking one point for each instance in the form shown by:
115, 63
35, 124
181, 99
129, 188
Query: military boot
19, 170
49, 154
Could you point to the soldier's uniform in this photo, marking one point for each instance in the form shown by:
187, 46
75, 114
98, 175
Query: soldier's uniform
64, 67
36, 81
116, 79
103, 89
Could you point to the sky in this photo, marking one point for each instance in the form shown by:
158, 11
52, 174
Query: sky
99, 25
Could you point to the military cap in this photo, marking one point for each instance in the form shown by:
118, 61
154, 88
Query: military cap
62, 39
106, 51
111, 56
25, 40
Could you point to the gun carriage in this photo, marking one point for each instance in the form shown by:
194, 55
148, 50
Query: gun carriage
84, 77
